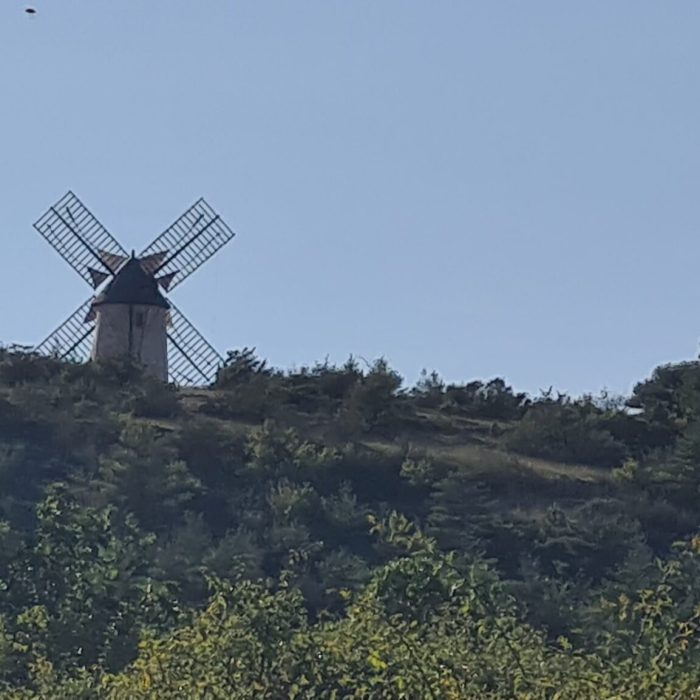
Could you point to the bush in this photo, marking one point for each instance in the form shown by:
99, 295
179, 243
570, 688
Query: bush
493, 400
20, 366
372, 401
156, 400
566, 432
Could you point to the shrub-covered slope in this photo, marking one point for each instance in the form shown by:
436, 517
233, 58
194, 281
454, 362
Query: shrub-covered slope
328, 532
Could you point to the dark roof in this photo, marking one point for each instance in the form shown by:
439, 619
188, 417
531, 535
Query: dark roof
131, 285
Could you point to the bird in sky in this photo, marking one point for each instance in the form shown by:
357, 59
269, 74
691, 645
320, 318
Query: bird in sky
30, 10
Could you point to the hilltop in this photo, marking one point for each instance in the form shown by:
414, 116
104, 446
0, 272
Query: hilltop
127, 504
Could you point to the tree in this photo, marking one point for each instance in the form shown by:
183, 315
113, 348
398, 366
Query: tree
80, 590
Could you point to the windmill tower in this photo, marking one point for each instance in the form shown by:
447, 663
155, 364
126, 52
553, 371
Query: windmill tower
131, 319
129, 314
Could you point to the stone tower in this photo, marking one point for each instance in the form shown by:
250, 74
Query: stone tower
131, 318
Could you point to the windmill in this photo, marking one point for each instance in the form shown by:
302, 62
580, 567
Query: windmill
128, 314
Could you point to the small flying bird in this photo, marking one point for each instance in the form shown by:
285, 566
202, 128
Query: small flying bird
30, 10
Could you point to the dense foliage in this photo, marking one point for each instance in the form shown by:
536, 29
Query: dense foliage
330, 533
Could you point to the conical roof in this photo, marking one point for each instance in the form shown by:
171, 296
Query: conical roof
132, 285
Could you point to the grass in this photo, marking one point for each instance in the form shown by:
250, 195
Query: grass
519, 483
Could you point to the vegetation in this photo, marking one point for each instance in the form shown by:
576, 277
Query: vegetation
330, 533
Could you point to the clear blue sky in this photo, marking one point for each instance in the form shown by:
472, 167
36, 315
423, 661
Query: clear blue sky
484, 188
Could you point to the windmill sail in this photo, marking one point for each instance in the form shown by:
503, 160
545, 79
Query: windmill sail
190, 241
98, 258
82, 241
73, 338
192, 360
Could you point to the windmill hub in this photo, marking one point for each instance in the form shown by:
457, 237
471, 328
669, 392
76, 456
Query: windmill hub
130, 315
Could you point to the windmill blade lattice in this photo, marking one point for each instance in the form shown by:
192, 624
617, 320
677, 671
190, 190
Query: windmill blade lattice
82, 241
96, 256
192, 360
189, 242
73, 338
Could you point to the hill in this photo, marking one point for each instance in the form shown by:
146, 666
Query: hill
328, 532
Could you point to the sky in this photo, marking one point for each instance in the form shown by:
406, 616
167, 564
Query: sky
482, 188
